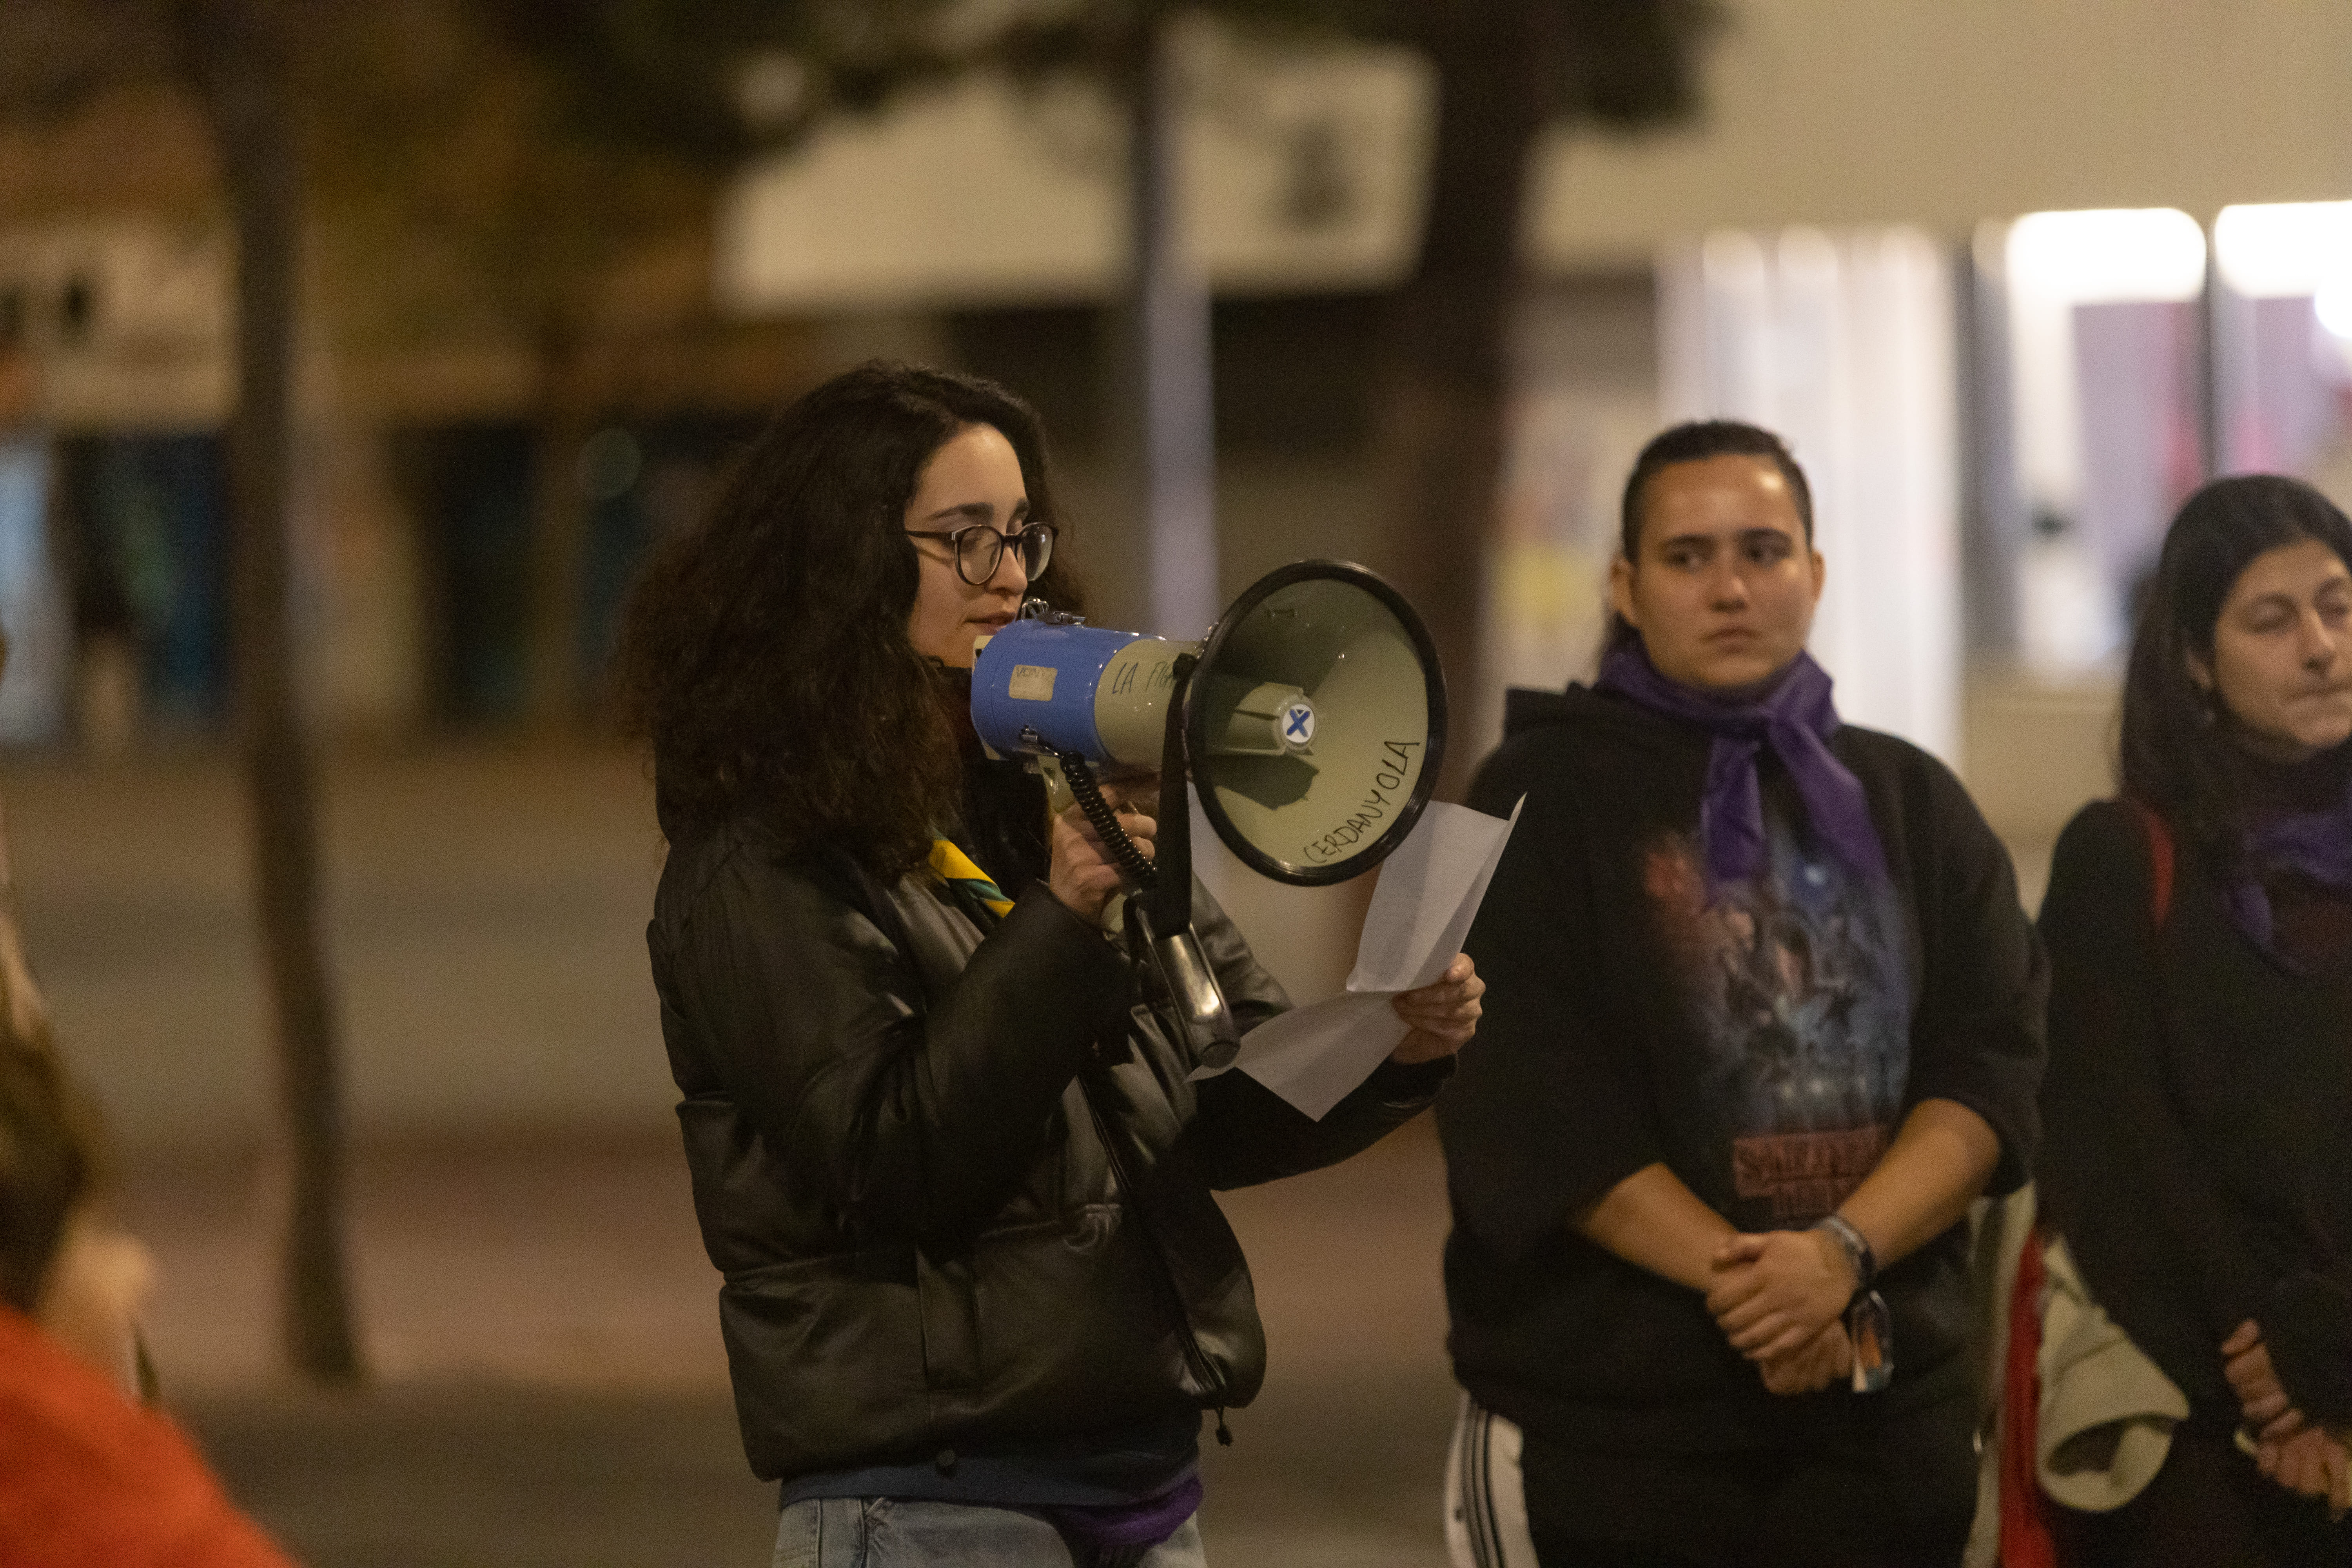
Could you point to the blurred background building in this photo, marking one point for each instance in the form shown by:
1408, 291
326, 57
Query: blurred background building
2014, 276
1959, 254
2014, 279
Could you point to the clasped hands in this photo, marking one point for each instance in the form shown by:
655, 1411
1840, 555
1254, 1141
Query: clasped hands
1440, 1016
1781, 1298
2304, 1457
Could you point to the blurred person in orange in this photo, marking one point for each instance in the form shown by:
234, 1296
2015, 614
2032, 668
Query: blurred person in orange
2199, 1093
1765, 1017
89, 1477
955, 1171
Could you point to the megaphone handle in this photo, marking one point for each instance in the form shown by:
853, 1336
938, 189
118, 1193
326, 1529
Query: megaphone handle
1105, 821
1171, 891
1204, 1022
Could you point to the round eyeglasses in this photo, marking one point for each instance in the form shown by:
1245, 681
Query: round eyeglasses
980, 550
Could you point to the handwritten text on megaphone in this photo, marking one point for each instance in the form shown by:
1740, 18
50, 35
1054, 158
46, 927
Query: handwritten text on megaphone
1386, 796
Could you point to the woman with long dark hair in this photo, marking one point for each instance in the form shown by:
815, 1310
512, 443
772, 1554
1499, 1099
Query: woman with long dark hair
957, 1177
2199, 1093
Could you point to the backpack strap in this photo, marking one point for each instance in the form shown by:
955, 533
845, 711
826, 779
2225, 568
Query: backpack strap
2027, 1540
2161, 858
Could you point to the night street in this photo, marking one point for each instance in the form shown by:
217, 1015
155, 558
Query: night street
542, 1324
556, 1397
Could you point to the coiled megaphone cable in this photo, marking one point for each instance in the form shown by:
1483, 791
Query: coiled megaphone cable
1131, 861
1159, 917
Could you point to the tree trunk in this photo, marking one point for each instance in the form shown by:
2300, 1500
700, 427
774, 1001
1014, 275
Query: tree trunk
238, 62
1446, 379
1168, 373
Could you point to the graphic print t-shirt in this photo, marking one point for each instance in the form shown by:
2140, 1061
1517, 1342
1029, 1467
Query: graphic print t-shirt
1761, 1041
1797, 997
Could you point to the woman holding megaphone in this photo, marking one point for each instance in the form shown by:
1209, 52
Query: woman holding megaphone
955, 1173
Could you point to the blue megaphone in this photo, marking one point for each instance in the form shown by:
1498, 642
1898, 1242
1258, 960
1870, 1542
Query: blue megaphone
1311, 720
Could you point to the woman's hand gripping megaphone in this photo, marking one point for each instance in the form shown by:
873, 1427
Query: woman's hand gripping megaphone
1156, 912
1084, 871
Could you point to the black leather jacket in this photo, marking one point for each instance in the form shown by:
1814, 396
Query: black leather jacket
959, 1184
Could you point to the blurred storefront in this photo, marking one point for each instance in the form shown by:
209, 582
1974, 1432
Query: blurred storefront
420, 497
1992, 265
1844, 343
112, 509
2000, 411
2282, 329
2108, 350
1959, 254
140, 526
32, 611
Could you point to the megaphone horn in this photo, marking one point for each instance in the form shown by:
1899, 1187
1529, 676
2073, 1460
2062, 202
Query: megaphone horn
1311, 720
1317, 722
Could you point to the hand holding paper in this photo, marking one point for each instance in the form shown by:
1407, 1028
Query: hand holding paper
1440, 1018
1429, 893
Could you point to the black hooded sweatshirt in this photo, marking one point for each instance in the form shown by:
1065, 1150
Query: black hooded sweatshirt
1761, 1041
2199, 1106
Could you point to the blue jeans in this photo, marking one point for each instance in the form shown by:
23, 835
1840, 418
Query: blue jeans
888, 1532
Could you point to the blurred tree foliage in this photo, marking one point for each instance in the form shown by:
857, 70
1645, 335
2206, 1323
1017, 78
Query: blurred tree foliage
497, 167
718, 80
402, 163
721, 79
453, 195
501, 166
236, 58
450, 183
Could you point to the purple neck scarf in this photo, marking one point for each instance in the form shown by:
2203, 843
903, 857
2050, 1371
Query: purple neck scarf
2315, 844
1796, 719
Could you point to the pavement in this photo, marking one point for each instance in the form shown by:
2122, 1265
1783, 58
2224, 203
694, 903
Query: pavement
549, 1390
547, 1384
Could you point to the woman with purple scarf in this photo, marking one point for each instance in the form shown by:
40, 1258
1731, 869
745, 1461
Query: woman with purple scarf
2199, 1095
1763, 1017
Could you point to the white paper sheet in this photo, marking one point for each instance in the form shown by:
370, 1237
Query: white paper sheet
1429, 893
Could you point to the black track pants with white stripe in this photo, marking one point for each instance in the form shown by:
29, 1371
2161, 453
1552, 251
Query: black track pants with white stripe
1485, 1504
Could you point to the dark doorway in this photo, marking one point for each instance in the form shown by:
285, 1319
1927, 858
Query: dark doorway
143, 542
472, 488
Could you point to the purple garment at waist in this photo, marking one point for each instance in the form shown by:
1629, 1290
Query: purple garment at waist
1128, 1525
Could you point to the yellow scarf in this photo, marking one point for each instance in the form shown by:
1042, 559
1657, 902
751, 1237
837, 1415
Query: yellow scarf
955, 867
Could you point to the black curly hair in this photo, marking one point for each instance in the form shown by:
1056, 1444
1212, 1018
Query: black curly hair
764, 652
